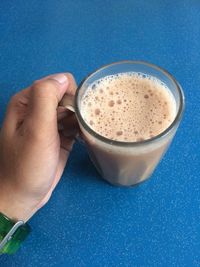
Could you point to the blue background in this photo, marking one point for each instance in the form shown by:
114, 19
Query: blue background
88, 222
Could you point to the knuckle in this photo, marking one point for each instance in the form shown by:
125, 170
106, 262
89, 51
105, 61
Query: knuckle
14, 100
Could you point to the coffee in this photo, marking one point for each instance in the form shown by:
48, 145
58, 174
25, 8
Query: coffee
128, 107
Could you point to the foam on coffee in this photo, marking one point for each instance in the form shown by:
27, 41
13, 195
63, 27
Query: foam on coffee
128, 107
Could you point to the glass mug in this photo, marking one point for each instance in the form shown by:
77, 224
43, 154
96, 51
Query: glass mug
126, 163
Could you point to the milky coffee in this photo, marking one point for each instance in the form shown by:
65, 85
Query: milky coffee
127, 107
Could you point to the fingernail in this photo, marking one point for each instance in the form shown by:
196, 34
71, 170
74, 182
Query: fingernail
61, 78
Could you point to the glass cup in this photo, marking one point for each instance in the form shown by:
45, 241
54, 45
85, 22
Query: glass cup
126, 163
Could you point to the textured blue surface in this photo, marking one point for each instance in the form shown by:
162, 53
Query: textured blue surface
87, 222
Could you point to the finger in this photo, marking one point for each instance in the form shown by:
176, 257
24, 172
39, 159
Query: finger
63, 112
69, 126
45, 97
66, 144
72, 83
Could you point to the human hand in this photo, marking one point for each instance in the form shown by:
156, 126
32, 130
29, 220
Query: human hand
33, 152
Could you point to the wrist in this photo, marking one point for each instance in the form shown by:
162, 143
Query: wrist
15, 205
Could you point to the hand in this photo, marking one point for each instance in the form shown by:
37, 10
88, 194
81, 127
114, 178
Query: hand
33, 153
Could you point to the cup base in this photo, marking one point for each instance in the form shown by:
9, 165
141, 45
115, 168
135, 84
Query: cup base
123, 185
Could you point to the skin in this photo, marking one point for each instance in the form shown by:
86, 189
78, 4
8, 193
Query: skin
33, 151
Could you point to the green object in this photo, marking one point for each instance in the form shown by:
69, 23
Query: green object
17, 238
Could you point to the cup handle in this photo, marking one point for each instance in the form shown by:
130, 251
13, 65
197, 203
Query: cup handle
68, 102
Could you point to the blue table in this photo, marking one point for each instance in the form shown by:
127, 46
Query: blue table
88, 222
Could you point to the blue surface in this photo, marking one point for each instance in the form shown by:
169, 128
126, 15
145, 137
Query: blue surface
87, 222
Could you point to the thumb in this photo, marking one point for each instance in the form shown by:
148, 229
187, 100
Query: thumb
45, 95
